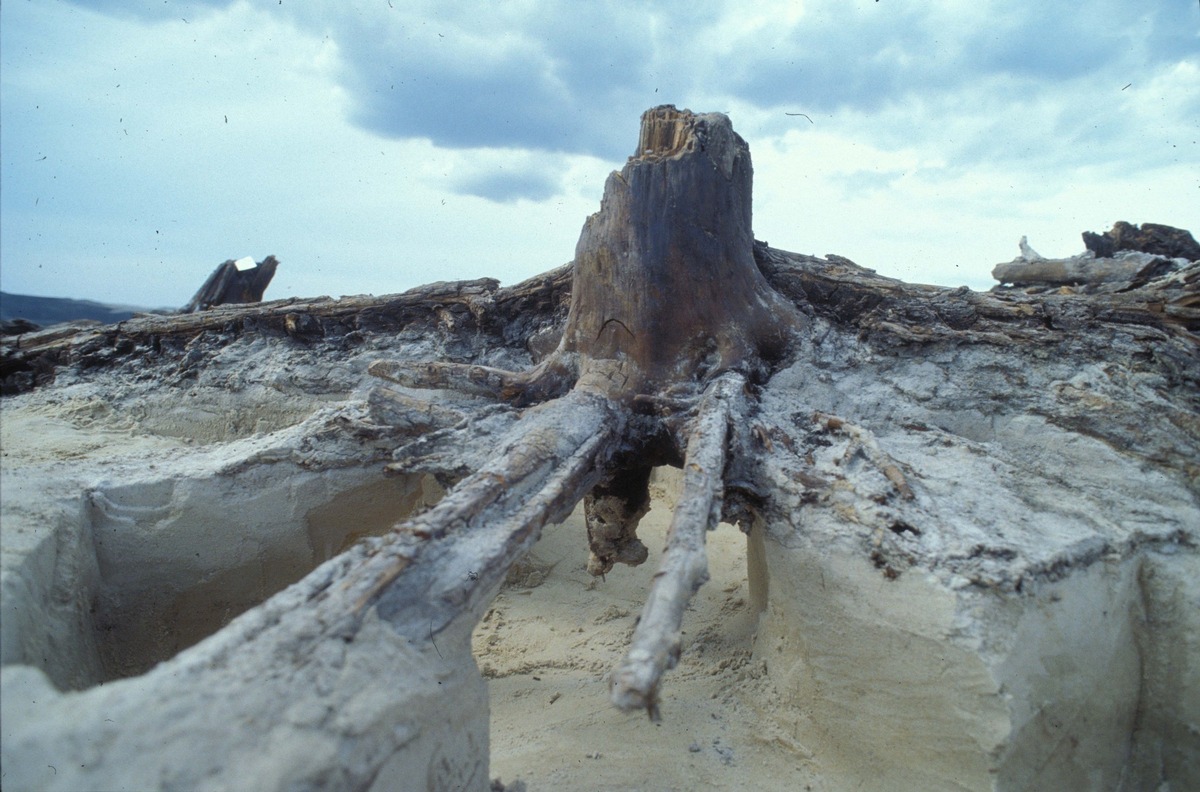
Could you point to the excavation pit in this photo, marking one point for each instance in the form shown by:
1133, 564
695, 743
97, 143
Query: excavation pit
133, 567
179, 561
107, 575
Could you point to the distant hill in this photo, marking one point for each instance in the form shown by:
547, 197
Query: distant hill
45, 311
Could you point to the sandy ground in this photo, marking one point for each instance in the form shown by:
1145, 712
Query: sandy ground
548, 644
553, 635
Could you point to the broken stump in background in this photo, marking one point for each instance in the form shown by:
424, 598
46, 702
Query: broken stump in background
230, 283
1154, 238
1126, 257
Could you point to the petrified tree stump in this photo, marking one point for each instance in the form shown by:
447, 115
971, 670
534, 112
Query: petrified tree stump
669, 315
666, 294
910, 436
665, 297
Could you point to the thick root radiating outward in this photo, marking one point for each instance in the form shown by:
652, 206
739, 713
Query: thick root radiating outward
548, 380
466, 543
656, 641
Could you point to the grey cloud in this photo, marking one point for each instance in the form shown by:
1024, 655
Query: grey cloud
506, 186
827, 61
1051, 41
1174, 31
512, 102
550, 83
832, 61
558, 76
1035, 86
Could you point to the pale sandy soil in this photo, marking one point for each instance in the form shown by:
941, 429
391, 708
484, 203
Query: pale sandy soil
548, 643
553, 635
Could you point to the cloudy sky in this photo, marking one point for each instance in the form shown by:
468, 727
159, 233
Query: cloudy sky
373, 145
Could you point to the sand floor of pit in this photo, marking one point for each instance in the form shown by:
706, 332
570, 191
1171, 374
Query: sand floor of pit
553, 635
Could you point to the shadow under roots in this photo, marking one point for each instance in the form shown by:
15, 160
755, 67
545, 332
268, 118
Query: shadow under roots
177, 561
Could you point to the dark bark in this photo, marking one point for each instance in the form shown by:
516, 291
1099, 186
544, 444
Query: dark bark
228, 285
1159, 240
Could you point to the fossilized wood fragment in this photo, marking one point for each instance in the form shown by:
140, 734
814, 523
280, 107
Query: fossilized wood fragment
613, 510
409, 415
1153, 238
229, 284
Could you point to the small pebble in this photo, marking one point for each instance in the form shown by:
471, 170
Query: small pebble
694, 747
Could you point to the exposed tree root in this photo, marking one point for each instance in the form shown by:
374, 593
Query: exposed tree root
408, 415
549, 380
613, 510
448, 560
469, 379
656, 641
862, 440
